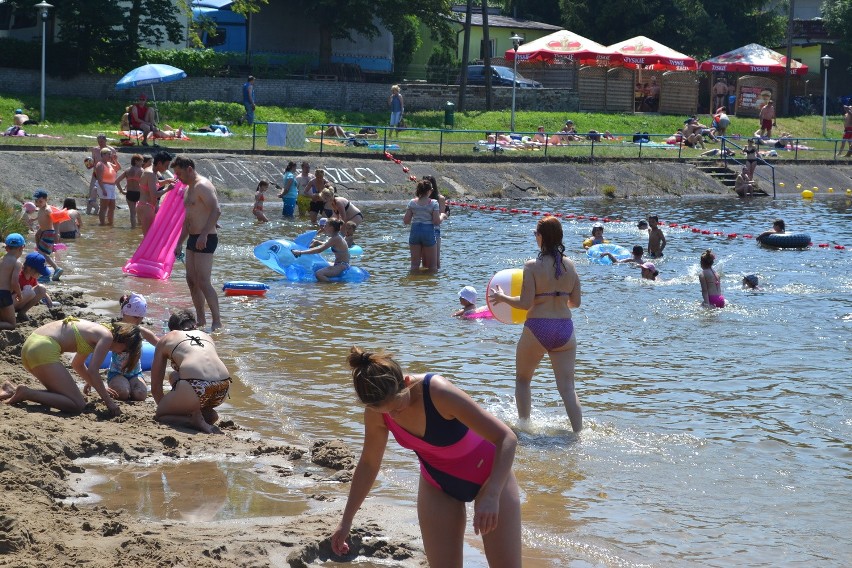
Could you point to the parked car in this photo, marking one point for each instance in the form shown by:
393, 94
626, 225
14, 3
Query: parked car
500, 77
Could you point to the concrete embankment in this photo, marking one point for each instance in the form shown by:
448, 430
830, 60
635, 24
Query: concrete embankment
63, 174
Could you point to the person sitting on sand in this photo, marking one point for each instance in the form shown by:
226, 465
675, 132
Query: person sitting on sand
32, 293
42, 352
129, 384
200, 381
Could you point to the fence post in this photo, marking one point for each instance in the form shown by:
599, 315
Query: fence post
640, 148
441, 144
385, 141
592, 153
796, 156
834, 157
253, 135
724, 153
322, 137
546, 141
773, 182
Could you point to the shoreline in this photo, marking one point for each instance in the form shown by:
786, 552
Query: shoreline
43, 526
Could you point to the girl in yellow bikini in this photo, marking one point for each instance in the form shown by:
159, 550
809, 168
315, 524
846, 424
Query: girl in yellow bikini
41, 356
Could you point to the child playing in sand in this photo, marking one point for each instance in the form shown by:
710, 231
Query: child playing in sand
349, 233
10, 288
467, 299
656, 238
31, 291
129, 384
711, 286
259, 198
46, 234
338, 246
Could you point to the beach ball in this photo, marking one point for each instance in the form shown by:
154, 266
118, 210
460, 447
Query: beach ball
510, 281
807, 194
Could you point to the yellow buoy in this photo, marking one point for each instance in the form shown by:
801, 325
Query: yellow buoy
781, 184
798, 186
807, 194
849, 192
816, 189
831, 190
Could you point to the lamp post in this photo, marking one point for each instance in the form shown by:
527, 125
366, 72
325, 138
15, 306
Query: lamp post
516, 42
826, 59
43, 7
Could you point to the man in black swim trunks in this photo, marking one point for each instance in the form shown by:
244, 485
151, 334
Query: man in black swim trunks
202, 212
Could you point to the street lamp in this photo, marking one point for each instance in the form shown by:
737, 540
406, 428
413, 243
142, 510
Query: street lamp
43, 7
516, 43
826, 59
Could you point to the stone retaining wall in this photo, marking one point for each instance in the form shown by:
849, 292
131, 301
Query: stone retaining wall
325, 95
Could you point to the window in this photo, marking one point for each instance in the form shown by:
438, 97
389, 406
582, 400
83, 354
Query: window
216, 40
491, 52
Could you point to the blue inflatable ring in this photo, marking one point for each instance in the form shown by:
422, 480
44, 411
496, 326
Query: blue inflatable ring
595, 253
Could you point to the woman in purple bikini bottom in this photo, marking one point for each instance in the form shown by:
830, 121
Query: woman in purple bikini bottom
550, 289
465, 454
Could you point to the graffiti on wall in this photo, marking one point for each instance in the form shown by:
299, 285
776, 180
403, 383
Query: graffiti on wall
234, 173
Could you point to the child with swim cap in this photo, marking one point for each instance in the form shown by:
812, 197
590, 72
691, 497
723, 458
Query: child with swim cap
129, 384
349, 233
467, 299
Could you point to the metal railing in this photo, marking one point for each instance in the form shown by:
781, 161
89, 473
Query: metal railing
760, 160
521, 146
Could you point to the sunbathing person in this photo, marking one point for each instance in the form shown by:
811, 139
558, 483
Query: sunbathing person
541, 137
333, 131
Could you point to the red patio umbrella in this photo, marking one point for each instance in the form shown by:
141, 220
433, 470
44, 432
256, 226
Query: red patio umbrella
564, 47
753, 58
641, 52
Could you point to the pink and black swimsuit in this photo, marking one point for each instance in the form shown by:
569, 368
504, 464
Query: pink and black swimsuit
453, 458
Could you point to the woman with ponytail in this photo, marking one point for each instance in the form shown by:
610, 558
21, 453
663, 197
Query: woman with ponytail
550, 289
465, 454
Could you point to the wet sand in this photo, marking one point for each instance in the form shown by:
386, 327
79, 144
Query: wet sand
41, 526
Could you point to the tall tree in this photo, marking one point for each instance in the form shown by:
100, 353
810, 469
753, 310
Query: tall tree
340, 18
696, 27
99, 34
838, 20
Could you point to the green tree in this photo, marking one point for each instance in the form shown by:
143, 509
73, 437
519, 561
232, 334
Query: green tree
546, 11
339, 18
699, 28
99, 35
837, 15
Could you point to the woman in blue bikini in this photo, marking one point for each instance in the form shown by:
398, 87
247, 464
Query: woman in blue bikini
550, 289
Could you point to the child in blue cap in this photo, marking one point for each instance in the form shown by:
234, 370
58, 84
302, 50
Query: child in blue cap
10, 269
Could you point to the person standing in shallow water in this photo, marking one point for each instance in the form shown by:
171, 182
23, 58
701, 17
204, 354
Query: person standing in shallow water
202, 212
549, 290
465, 453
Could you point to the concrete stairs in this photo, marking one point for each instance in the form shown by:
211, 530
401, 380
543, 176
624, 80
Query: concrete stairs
717, 170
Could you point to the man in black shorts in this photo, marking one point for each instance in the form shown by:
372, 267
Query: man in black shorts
202, 212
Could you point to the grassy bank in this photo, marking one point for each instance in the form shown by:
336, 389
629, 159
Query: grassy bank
75, 121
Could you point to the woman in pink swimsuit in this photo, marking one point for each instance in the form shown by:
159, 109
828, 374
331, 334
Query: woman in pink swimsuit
550, 289
465, 454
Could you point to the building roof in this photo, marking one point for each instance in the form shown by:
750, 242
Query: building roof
497, 21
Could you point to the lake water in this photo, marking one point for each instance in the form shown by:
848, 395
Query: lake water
712, 438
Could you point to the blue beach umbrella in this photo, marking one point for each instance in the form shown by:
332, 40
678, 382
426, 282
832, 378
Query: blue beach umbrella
150, 74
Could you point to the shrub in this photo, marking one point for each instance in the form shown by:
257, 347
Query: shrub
442, 67
10, 219
18, 54
197, 62
609, 191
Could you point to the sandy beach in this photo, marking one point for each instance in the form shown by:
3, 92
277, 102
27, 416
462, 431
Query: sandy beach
41, 526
